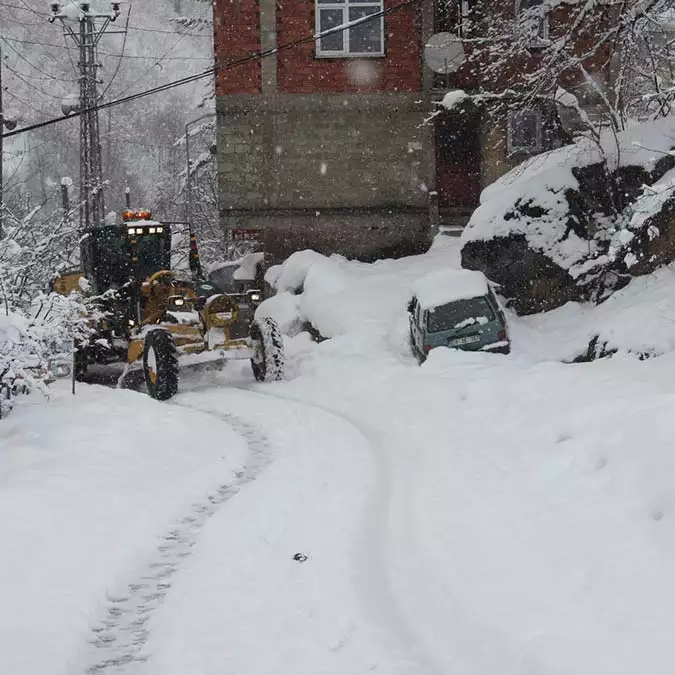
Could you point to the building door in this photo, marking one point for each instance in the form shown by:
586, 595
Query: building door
458, 159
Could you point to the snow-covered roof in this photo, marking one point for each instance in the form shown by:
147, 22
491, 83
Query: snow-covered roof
444, 286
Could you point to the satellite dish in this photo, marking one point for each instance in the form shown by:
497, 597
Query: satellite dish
444, 53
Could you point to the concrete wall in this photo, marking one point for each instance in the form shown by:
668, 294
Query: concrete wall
364, 234
333, 150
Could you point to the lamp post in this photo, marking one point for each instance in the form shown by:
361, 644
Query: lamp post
188, 180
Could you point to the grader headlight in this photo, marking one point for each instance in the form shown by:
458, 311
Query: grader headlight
177, 303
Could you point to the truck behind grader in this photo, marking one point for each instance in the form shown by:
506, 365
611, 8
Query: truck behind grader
159, 320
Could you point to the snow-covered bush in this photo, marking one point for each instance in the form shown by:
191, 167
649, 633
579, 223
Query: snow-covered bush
23, 366
30, 341
34, 248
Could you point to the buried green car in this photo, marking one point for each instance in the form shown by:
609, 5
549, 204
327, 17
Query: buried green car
457, 309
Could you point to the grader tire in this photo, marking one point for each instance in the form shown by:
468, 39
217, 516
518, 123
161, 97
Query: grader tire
267, 361
160, 364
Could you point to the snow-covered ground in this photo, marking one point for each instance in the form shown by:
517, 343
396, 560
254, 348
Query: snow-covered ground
478, 514
87, 485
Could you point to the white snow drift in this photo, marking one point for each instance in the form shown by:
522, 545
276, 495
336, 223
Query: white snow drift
479, 514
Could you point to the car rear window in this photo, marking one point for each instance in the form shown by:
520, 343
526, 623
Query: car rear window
460, 314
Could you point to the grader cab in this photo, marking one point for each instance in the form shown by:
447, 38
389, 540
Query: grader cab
161, 320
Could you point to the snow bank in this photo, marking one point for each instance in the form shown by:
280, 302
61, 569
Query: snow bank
478, 514
341, 297
291, 275
540, 183
444, 286
247, 267
284, 308
574, 223
367, 308
637, 319
521, 511
88, 484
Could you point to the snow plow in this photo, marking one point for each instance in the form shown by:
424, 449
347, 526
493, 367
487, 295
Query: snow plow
157, 320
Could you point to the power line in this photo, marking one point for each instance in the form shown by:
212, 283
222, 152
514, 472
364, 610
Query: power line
26, 103
117, 56
101, 53
256, 56
119, 101
30, 63
46, 77
22, 9
165, 55
32, 86
119, 62
170, 32
138, 28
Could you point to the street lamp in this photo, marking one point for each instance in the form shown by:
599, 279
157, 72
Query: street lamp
188, 181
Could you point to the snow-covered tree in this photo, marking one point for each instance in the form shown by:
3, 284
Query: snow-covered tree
612, 60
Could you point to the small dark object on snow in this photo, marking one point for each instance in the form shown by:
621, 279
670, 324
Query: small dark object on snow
300, 557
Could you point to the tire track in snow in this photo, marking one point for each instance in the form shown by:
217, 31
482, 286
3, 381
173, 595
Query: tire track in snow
118, 639
373, 573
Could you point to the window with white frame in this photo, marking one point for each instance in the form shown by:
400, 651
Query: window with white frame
524, 132
364, 38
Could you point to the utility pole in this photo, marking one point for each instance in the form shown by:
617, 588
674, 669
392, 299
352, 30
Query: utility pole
2, 131
8, 123
92, 26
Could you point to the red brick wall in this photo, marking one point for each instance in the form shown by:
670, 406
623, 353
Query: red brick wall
299, 72
236, 34
561, 20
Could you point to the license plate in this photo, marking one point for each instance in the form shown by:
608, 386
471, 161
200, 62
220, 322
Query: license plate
468, 340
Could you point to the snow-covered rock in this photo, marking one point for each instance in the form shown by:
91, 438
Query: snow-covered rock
546, 231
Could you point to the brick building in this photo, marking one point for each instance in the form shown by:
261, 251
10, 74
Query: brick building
325, 145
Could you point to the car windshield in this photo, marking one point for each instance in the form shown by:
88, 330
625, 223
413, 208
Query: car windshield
459, 314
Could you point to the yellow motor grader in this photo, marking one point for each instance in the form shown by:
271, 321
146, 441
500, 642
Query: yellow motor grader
158, 319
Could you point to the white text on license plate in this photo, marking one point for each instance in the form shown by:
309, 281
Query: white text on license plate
470, 339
